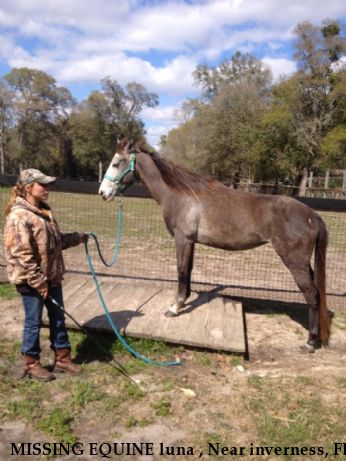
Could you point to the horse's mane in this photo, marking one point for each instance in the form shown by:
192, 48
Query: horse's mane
175, 176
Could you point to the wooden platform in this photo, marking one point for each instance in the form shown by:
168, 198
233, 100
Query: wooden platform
208, 321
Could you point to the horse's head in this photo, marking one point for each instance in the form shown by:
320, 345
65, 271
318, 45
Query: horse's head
121, 171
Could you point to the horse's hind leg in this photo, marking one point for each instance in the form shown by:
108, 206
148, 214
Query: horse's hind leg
304, 278
189, 271
184, 251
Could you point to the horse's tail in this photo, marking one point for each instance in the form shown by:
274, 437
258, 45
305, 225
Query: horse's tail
320, 280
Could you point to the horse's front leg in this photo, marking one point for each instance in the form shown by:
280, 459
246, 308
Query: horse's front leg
184, 251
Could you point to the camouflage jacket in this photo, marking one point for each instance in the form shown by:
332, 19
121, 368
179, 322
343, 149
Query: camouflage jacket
34, 244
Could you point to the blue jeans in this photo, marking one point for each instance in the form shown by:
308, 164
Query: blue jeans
33, 306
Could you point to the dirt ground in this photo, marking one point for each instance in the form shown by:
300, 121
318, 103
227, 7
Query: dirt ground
216, 398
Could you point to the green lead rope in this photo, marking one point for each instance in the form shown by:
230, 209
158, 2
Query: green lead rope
103, 303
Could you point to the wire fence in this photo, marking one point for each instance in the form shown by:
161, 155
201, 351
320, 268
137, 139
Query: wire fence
147, 252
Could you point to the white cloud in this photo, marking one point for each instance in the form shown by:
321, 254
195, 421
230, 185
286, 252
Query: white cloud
159, 121
157, 43
154, 134
9, 50
280, 66
160, 113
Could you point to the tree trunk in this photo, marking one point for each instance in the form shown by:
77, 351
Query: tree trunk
69, 167
2, 155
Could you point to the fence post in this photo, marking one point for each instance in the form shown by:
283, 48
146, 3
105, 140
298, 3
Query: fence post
100, 171
326, 180
310, 179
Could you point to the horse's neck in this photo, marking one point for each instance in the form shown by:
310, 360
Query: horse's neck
151, 178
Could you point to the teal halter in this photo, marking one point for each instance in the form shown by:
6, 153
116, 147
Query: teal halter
119, 178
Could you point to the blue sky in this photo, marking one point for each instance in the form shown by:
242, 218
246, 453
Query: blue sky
157, 43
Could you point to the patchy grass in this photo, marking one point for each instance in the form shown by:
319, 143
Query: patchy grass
83, 393
163, 407
336, 229
290, 412
57, 424
8, 291
280, 402
269, 412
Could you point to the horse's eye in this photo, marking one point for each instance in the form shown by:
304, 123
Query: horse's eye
115, 165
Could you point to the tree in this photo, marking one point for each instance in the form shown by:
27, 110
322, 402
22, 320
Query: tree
39, 106
125, 104
94, 136
106, 116
317, 49
333, 146
241, 68
282, 157
6, 115
224, 129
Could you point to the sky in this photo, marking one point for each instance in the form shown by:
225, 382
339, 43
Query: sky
157, 43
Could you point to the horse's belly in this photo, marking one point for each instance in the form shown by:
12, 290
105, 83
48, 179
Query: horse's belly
231, 242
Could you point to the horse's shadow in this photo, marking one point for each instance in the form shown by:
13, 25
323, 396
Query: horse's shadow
298, 312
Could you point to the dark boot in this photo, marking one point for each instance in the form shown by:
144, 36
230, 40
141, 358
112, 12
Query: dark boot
63, 362
35, 370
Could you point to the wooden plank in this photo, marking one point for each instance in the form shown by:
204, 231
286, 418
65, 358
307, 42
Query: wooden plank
214, 323
90, 310
188, 327
234, 329
207, 321
148, 314
76, 302
196, 313
72, 286
225, 324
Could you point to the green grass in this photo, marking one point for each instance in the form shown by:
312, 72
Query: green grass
336, 225
8, 291
110, 347
288, 413
57, 424
83, 393
141, 217
162, 407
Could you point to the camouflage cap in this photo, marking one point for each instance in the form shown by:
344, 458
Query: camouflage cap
32, 175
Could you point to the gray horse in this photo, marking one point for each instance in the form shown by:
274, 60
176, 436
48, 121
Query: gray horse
202, 210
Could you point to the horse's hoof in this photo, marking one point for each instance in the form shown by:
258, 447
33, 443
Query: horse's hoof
170, 314
307, 349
